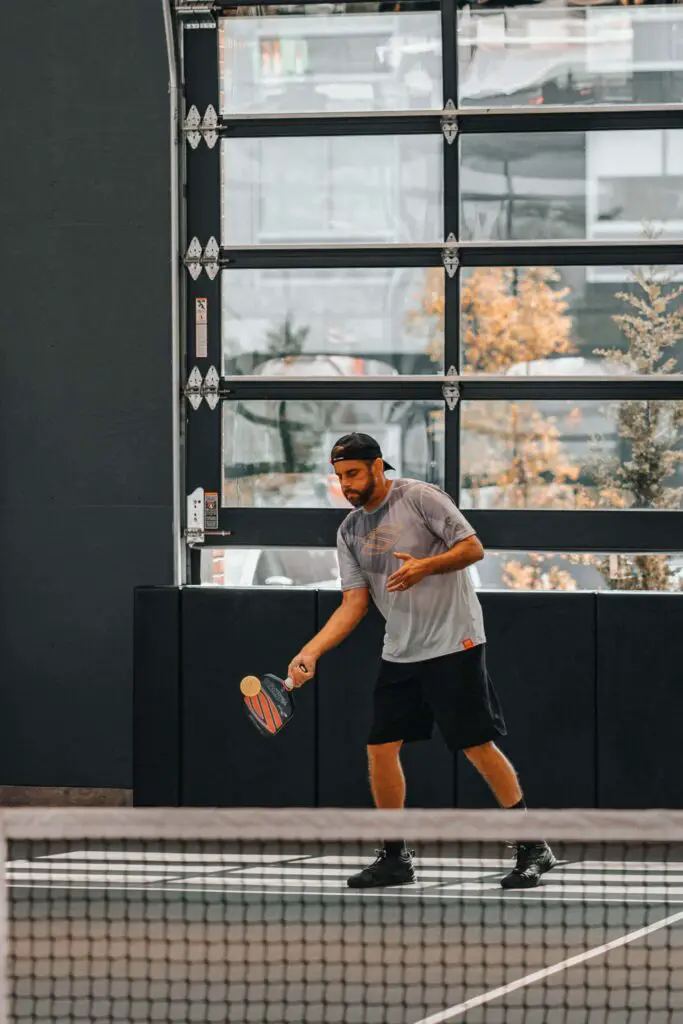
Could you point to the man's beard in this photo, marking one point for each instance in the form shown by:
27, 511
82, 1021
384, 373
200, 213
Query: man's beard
363, 497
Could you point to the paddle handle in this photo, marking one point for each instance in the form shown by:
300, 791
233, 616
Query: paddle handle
289, 683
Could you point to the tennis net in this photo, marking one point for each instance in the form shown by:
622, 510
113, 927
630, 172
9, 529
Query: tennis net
245, 916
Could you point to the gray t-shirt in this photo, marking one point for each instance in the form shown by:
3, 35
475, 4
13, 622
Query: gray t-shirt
440, 614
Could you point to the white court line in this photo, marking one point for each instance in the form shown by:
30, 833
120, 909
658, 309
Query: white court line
449, 863
615, 878
531, 896
173, 858
608, 882
304, 871
616, 890
62, 870
47, 878
428, 862
585, 890
239, 882
529, 979
628, 865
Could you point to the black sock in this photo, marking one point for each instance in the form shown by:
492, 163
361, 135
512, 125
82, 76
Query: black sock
394, 847
521, 806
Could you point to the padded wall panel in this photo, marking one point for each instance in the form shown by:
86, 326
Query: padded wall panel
541, 657
226, 635
640, 700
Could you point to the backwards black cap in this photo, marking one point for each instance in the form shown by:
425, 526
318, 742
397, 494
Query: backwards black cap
357, 446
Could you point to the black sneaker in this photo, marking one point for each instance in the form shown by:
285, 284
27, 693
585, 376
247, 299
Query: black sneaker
533, 860
388, 869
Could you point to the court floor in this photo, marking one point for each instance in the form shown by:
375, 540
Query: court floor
99, 935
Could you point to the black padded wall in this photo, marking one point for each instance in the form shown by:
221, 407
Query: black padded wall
589, 685
640, 701
226, 635
541, 656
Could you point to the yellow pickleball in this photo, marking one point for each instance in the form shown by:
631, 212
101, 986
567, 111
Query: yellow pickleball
250, 686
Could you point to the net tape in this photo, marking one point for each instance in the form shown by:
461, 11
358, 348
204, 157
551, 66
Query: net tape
332, 824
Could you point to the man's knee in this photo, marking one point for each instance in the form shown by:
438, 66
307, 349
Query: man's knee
482, 753
383, 752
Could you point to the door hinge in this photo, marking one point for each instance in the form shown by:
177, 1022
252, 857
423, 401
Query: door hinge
196, 127
197, 8
198, 388
451, 389
449, 123
194, 6
198, 259
451, 256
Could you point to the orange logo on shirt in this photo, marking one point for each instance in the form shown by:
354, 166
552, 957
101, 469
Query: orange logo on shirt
382, 538
467, 644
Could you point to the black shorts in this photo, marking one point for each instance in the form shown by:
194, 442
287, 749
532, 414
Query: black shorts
455, 691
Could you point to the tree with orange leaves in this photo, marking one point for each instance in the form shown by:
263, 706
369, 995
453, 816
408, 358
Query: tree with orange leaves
536, 574
513, 452
517, 459
510, 315
513, 315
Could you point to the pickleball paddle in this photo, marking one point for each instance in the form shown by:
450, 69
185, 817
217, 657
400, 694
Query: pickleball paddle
268, 701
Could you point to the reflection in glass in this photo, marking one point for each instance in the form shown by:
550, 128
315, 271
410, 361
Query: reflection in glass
621, 185
566, 56
572, 454
276, 453
572, 321
530, 570
379, 189
314, 61
318, 569
332, 322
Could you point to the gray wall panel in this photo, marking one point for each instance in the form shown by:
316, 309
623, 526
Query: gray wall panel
85, 420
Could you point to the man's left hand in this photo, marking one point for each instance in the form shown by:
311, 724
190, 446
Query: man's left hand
411, 572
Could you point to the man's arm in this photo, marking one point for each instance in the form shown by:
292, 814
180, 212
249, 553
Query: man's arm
463, 553
340, 624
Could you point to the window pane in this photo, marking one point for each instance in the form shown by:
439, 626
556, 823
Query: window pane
317, 568
560, 321
276, 453
522, 570
567, 56
315, 61
572, 455
379, 189
621, 185
333, 322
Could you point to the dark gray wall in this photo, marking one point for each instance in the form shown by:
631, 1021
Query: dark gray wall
85, 417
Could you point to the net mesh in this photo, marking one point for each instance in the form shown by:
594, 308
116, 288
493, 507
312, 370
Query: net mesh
205, 921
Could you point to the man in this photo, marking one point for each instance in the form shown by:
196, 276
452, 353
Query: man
408, 547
